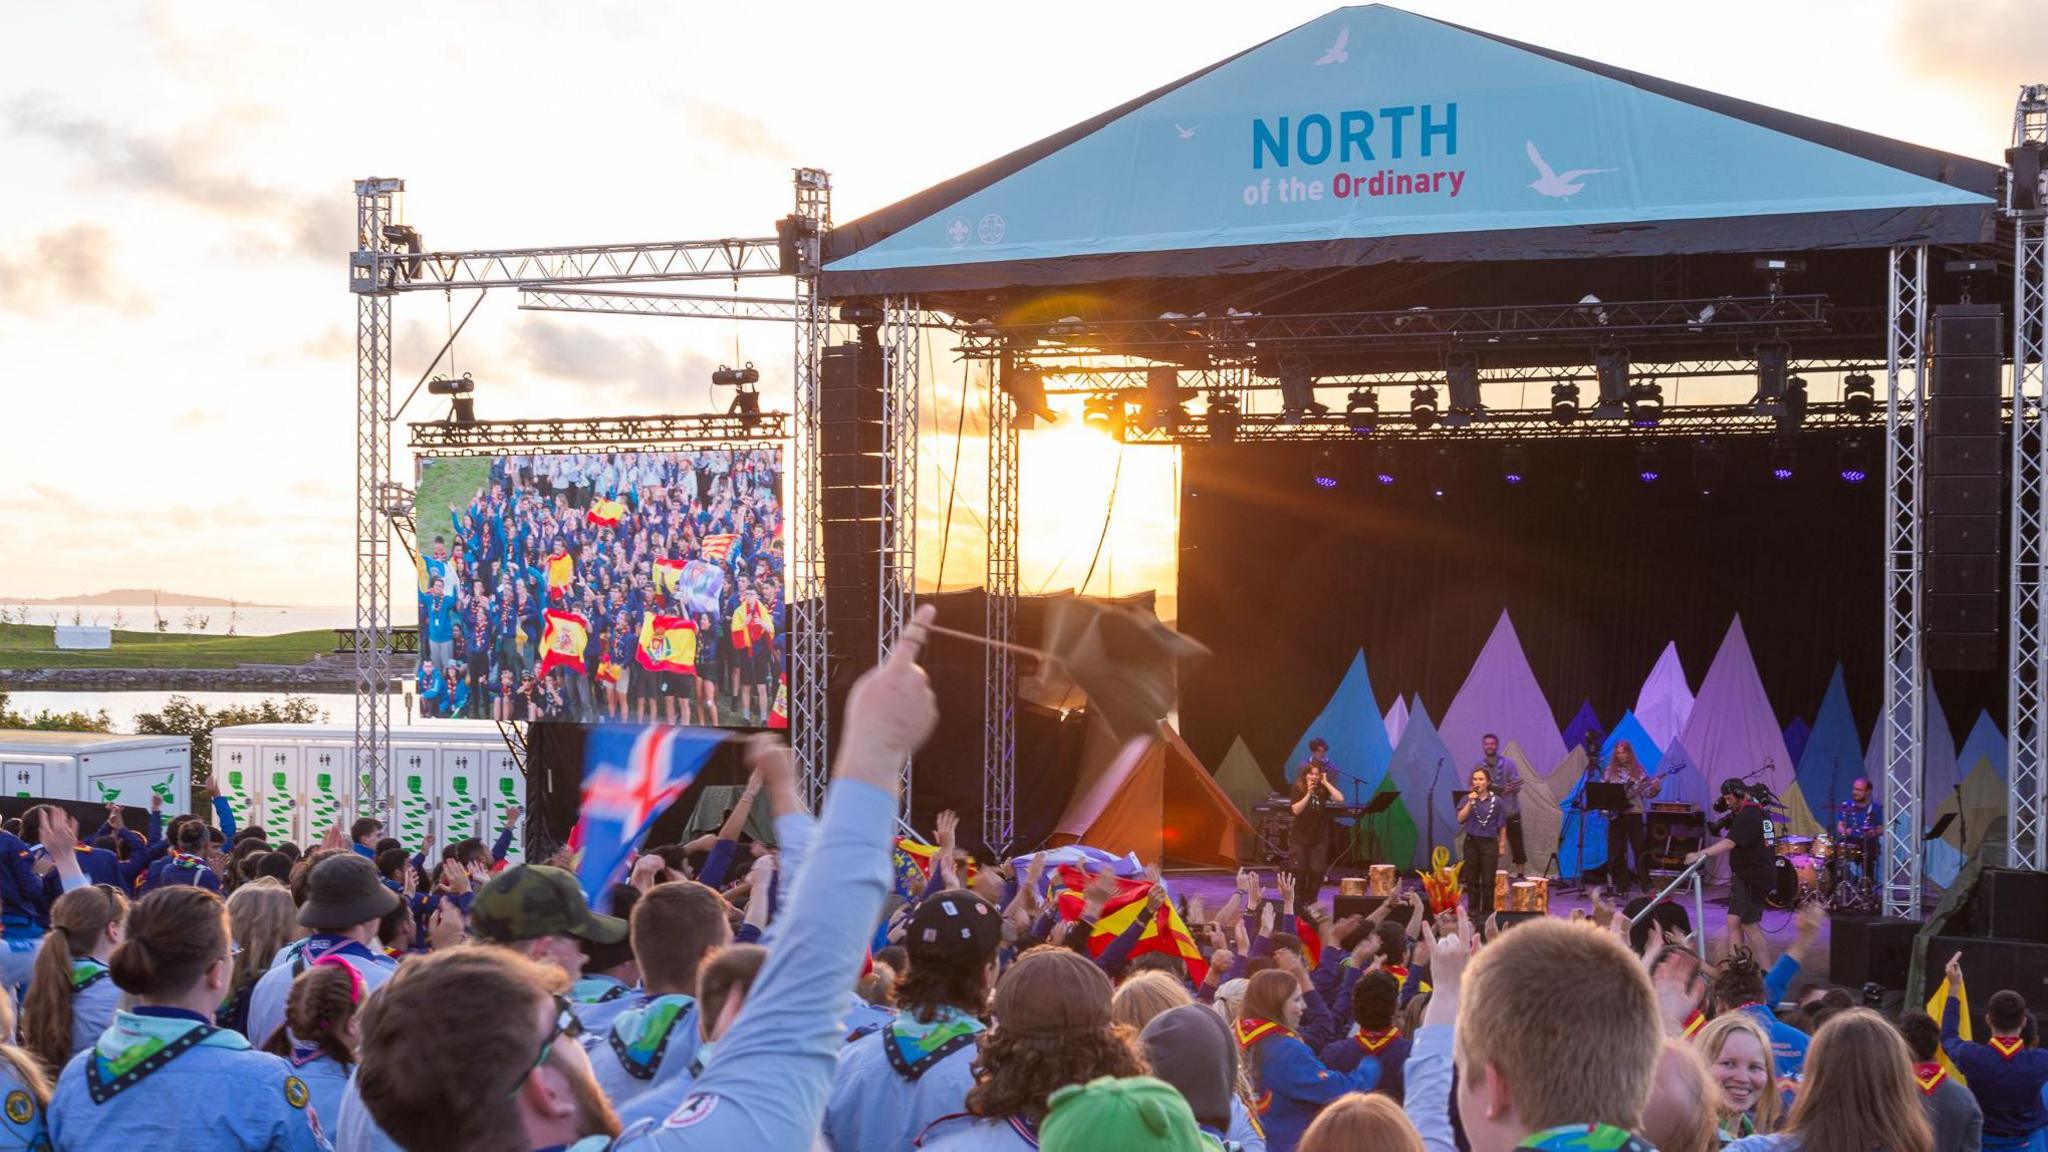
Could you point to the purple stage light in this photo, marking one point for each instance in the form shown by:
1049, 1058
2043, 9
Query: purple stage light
1781, 473
1513, 477
1854, 475
1649, 475
1326, 482
1385, 478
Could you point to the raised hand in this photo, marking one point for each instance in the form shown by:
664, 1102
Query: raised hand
947, 828
1101, 886
1289, 961
646, 872
445, 928
1286, 880
454, 877
1266, 920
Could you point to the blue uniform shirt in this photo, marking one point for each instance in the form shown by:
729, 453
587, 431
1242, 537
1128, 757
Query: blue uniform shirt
326, 1079
94, 997
883, 1100
646, 1047
597, 1002
163, 1078
1293, 1085
23, 1126
267, 999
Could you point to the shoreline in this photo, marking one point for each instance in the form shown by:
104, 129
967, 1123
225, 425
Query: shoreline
248, 678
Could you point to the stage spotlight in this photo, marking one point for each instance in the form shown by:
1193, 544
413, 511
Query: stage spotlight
1859, 395
1224, 419
1784, 459
1772, 359
1422, 406
1649, 462
726, 377
1645, 404
1442, 472
1564, 403
1025, 384
1514, 463
1362, 411
1610, 367
1792, 409
1163, 396
461, 404
1461, 375
1105, 414
1852, 463
1298, 390
1323, 468
1709, 466
747, 406
1383, 467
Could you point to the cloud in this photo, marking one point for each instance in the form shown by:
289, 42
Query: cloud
73, 265
733, 130
635, 367
1988, 47
178, 167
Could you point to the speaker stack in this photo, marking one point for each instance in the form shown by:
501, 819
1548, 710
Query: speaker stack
850, 446
1963, 462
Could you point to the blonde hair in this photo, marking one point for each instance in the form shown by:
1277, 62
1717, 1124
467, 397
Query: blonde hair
1144, 996
1566, 1014
1356, 1121
1680, 1114
263, 919
1230, 998
26, 1068
1712, 1039
1858, 1090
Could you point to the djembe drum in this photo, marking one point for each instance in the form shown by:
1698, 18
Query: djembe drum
1380, 881
1501, 890
1351, 886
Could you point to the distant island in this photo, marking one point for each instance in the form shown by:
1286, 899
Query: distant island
130, 597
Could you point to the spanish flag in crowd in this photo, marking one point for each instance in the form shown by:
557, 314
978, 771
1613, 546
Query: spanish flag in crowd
668, 644
751, 628
1934, 1008
718, 546
778, 715
605, 513
1166, 933
563, 637
607, 672
912, 863
561, 568
667, 574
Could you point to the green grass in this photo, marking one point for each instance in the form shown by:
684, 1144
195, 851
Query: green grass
32, 646
450, 480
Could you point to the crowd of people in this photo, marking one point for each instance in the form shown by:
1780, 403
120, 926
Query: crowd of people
742, 996
613, 542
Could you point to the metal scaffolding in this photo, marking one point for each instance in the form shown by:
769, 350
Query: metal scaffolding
1904, 719
585, 433
999, 690
897, 589
808, 665
2027, 654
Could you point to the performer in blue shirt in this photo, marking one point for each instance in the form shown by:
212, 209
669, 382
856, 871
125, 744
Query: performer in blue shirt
1482, 816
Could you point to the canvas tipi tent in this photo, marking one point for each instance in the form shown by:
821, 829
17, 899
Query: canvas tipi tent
1500, 695
1157, 801
1665, 702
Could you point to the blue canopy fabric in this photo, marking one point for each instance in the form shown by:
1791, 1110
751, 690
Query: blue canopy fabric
1357, 734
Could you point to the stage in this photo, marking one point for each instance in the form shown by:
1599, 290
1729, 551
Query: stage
1215, 886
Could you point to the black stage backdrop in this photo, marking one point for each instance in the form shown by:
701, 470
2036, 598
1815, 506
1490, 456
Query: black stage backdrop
1285, 580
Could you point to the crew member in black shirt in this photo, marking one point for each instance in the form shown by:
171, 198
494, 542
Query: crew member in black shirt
1314, 790
1750, 862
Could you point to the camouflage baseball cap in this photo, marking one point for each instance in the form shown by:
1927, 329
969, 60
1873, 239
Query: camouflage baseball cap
529, 901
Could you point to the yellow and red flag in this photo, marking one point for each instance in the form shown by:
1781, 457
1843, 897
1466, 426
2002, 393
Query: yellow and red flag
778, 716
718, 546
606, 513
1166, 933
1935, 1005
561, 570
750, 628
607, 672
667, 574
668, 644
563, 637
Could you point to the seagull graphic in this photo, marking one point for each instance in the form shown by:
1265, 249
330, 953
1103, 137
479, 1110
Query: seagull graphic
1186, 133
1559, 184
1337, 54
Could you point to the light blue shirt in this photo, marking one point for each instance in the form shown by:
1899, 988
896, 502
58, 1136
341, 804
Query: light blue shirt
974, 1134
23, 1126
326, 1079
874, 1109
92, 1009
659, 1047
1427, 1091
267, 999
354, 1130
767, 1089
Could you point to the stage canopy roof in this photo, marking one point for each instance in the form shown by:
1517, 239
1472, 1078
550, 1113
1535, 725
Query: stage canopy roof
1372, 136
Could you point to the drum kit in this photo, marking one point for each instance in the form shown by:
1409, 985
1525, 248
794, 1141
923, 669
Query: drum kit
1832, 870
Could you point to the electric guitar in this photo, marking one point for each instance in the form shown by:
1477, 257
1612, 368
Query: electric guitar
1641, 788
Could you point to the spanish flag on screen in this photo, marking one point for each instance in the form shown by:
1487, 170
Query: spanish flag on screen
718, 546
561, 569
778, 716
563, 636
606, 513
668, 573
751, 628
668, 644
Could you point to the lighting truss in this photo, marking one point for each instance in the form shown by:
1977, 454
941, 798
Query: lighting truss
999, 661
386, 269
687, 305
897, 590
1499, 424
807, 653
2027, 652
1087, 380
593, 433
1904, 718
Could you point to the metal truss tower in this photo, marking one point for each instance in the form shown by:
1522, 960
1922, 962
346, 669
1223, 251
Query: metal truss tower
999, 689
897, 591
373, 663
1904, 720
807, 661
2027, 740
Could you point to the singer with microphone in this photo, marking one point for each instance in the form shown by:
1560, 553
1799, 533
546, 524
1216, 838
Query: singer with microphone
1482, 816
1315, 789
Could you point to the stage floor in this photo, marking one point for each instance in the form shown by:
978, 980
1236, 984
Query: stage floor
1215, 886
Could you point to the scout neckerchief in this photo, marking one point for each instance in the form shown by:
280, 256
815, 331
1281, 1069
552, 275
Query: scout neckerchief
136, 1045
1376, 1042
321, 945
1250, 1031
1586, 1138
1929, 1077
2007, 1047
1026, 1130
640, 1035
597, 990
86, 972
186, 862
915, 1046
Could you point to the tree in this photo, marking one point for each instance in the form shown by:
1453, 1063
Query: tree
196, 722
48, 721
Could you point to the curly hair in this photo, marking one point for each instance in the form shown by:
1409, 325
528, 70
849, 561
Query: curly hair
926, 989
1053, 1028
1740, 981
322, 1001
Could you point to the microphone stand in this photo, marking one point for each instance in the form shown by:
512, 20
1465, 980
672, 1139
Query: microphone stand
1431, 803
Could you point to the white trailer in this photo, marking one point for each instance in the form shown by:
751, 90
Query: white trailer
97, 767
452, 777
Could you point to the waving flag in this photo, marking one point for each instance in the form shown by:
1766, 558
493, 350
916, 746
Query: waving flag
701, 586
718, 546
631, 774
1166, 933
778, 716
668, 644
562, 640
561, 569
605, 513
668, 573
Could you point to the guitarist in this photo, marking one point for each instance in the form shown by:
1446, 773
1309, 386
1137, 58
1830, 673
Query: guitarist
1507, 780
1625, 828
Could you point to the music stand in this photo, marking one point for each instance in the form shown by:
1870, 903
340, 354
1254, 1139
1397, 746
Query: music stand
1380, 802
1609, 798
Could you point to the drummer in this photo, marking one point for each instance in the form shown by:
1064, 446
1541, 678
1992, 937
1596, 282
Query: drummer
1861, 818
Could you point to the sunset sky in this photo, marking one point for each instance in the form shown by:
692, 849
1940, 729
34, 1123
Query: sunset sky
176, 336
